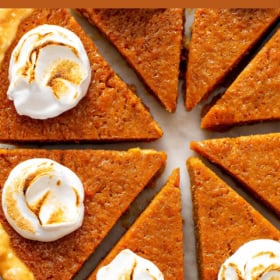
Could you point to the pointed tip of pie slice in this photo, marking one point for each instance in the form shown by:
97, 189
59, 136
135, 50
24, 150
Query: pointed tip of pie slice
219, 43
254, 96
150, 40
190, 101
223, 219
157, 234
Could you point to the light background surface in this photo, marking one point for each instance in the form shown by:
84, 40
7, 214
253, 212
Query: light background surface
179, 129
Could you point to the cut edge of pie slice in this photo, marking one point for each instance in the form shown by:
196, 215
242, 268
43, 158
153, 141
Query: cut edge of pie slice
150, 40
254, 96
220, 39
251, 160
157, 234
223, 219
111, 179
110, 111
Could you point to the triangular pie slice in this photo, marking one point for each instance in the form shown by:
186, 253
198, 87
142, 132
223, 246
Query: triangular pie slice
109, 112
254, 95
223, 220
150, 40
157, 234
220, 39
252, 160
111, 179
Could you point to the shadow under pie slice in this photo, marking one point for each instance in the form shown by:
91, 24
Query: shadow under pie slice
110, 111
111, 180
220, 39
255, 94
223, 220
252, 160
150, 40
157, 234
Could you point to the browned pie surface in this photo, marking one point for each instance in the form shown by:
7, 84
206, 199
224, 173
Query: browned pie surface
150, 40
157, 234
252, 160
223, 220
110, 111
254, 95
111, 181
220, 38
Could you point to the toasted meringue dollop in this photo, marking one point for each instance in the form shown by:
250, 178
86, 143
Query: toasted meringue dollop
128, 265
49, 72
255, 260
43, 200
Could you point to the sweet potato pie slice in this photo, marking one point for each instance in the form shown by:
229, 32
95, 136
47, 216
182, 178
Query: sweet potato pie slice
220, 39
223, 220
254, 95
110, 111
252, 160
111, 180
157, 234
150, 40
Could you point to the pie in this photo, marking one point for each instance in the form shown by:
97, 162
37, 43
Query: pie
157, 234
220, 39
252, 160
111, 179
223, 220
150, 40
110, 111
254, 95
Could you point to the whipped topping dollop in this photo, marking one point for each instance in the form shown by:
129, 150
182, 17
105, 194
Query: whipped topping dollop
128, 265
43, 200
257, 259
49, 72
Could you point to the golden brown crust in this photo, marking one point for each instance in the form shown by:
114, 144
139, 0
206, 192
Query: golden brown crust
150, 40
252, 160
254, 95
157, 234
109, 111
223, 220
9, 22
11, 267
111, 180
220, 38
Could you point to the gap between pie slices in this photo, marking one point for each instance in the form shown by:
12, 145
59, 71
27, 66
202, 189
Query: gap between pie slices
254, 95
153, 52
157, 234
252, 160
220, 39
111, 179
109, 112
223, 220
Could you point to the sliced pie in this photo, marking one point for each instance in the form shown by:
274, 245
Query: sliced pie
252, 160
223, 220
157, 234
111, 179
254, 95
220, 39
150, 40
109, 112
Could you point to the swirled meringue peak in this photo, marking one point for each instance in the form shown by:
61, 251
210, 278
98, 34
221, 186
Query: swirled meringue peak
128, 265
255, 260
43, 200
49, 72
